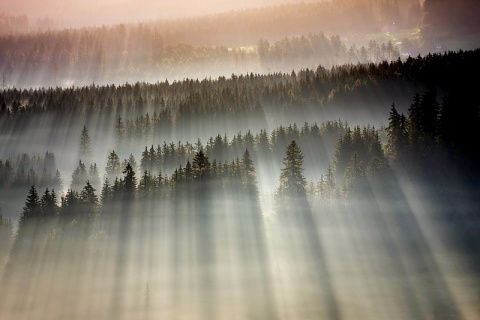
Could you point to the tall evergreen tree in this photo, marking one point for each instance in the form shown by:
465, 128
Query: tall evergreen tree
106, 193
32, 209
397, 137
112, 168
94, 176
89, 200
119, 132
79, 176
200, 167
292, 181
85, 145
49, 203
130, 182
249, 178
355, 177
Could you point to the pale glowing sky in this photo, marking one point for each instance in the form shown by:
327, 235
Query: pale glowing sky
89, 12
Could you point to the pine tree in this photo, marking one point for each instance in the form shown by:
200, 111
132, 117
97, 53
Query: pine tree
354, 181
130, 182
94, 176
85, 145
89, 201
200, 167
70, 205
32, 209
292, 181
49, 203
106, 193
112, 168
145, 186
79, 176
249, 178
119, 132
397, 136
57, 180
145, 161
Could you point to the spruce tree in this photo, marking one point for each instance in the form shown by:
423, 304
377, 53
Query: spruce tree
112, 167
292, 181
106, 193
85, 145
32, 209
130, 182
200, 167
89, 200
49, 203
249, 178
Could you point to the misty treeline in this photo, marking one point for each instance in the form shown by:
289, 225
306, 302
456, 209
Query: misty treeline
23, 170
234, 42
428, 143
128, 54
182, 110
231, 42
175, 227
101, 235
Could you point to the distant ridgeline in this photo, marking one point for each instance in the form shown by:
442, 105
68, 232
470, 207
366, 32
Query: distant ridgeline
247, 99
198, 47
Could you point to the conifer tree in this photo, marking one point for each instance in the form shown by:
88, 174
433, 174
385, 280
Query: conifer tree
145, 186
119, 132
106, 193
292, 181
355, 177
94, 176
200, 167
89, 200
129, 182
249, 179
49, 203
397, 144
32, 209
112, 168
85, 145
79, 176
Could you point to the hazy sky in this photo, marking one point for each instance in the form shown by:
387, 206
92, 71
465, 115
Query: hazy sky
88, 12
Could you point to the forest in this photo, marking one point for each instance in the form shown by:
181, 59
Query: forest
298, 167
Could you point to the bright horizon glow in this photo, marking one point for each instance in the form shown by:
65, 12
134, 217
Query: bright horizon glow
79, 14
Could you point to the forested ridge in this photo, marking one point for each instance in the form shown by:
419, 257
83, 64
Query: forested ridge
246, 193
302, 35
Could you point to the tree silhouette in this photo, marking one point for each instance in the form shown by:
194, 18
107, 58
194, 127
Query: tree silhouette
130, 182
249, 178
32, 207
292, 180
200, 167
85, 145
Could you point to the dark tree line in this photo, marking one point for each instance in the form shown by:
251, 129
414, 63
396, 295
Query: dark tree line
241, 93
79, 57
436, 135
24, 170
178, 110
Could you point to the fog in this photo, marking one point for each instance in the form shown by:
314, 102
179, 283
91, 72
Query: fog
222, 256
75, 14
254, 160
